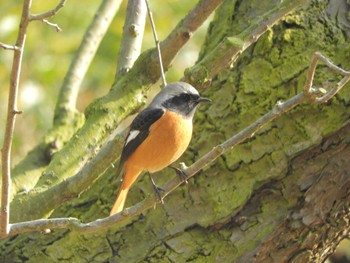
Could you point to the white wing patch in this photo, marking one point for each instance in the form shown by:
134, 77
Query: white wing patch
132, 135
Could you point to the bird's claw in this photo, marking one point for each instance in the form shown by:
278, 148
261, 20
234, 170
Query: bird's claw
157, 190
180, 173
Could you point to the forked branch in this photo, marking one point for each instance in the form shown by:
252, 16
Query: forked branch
49, 13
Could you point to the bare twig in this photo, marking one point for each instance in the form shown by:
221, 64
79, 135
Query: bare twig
308, 87
49, 13
58, 29
309, 94
8, 47
133, 30
12, 111
150, 15
83, 57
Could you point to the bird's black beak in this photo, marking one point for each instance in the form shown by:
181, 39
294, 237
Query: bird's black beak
202, 99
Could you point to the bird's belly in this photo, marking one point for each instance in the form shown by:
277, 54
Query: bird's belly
166, 142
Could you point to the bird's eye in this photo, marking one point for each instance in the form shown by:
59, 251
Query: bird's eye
185, 97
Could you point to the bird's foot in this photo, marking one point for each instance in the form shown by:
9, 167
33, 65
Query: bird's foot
180, 173
157, 190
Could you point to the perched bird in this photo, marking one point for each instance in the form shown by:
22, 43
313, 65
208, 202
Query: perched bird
158, 136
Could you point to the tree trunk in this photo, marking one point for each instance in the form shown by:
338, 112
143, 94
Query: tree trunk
282, 196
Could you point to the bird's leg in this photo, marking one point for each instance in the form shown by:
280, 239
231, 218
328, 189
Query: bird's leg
180, 173
156, 189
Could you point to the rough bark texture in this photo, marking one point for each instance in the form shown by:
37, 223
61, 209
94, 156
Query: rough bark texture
283, 196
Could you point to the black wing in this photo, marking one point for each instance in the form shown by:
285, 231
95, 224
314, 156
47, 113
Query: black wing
140, 126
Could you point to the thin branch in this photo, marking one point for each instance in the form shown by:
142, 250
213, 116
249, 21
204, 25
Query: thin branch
150, 15
49, 13
8, 47
56, 26
134, 27
179, 37
12, 112
310, 95
74, 224
93, 36
328, 95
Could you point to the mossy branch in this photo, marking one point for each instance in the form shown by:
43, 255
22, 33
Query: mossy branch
226, 53
310, 95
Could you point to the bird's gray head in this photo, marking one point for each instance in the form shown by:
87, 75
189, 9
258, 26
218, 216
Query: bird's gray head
179, 97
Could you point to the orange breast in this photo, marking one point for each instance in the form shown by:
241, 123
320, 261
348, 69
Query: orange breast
167, 141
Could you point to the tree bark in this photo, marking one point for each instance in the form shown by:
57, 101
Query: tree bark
282, 196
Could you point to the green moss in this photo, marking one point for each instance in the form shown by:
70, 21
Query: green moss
293, 20
256, 76
264, 44
27, 173
235, 42
198, 75
218, 28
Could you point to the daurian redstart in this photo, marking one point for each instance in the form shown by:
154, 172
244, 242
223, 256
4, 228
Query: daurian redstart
158, 135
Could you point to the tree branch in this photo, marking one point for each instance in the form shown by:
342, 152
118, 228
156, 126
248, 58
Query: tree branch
12, 111
69, 91
327, 95
150, 15
309, 94
49, 13
56, 26
8, 47
134, 26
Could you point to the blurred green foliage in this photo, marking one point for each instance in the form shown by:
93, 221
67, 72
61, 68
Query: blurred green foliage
48, 55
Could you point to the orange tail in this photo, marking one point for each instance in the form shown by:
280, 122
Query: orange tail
130, 176
120, 201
